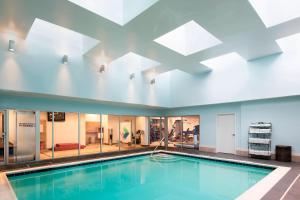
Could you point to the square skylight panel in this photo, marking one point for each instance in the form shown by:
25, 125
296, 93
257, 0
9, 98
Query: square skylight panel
274, 12
118, 11
43, 34
188, 39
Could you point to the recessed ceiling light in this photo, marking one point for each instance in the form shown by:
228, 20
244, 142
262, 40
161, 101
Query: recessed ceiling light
65, 59
188, 39
118, 11
274, 12
11, 45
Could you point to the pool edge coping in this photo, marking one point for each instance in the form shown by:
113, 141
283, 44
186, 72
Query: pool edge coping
257, 191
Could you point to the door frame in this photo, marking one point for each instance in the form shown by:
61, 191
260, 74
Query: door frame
6, 136
217, 130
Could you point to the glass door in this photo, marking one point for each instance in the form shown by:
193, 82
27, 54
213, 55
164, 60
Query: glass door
21, 136
157, 131
25, 136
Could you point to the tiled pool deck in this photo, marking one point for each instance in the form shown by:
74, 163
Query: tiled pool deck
287, 188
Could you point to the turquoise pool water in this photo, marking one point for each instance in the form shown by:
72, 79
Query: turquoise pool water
141, 178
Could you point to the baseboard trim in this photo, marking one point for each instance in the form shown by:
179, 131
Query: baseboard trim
243, 152
207, 149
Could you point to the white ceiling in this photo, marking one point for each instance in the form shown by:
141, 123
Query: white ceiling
234, 23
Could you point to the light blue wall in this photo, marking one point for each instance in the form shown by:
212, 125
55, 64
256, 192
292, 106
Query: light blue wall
208, 118
283, 113
37, 69
233, 79
26, 102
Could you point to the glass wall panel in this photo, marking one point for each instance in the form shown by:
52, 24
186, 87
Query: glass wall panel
65, 134
12, 140
90, 134
162, 130
156, 131
174, 132
142, 132
1, 137
111, 133
190, 134
21, 136
45, 136
128, 132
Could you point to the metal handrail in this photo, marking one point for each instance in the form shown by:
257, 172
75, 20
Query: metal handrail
157, 146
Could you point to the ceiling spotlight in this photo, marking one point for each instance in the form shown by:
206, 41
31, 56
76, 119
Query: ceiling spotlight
11, 45
65, 59
132, 76
102, 68
152, 81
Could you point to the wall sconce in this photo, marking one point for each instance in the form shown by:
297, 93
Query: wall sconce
152, 82
102, 69
132, 76
65, 59
11, 45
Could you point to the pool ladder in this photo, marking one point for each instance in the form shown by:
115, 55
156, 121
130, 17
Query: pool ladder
157, 146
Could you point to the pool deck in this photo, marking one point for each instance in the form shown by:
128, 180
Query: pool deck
287, 188
6, 192
281, 190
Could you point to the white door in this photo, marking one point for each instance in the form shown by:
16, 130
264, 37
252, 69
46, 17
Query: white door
226, 133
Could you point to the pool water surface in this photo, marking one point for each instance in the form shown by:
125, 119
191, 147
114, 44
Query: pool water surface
142, 177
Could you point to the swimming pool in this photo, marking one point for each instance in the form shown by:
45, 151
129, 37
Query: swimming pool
142, 177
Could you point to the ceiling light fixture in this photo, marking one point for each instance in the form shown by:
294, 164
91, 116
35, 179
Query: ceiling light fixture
11, 45
65, 59
102, 68
152, 82
132, 76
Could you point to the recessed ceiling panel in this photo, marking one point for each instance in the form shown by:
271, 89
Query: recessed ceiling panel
57, 38
188, 39
136, 62
229, 59
290, 43
118, 11
274, 12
